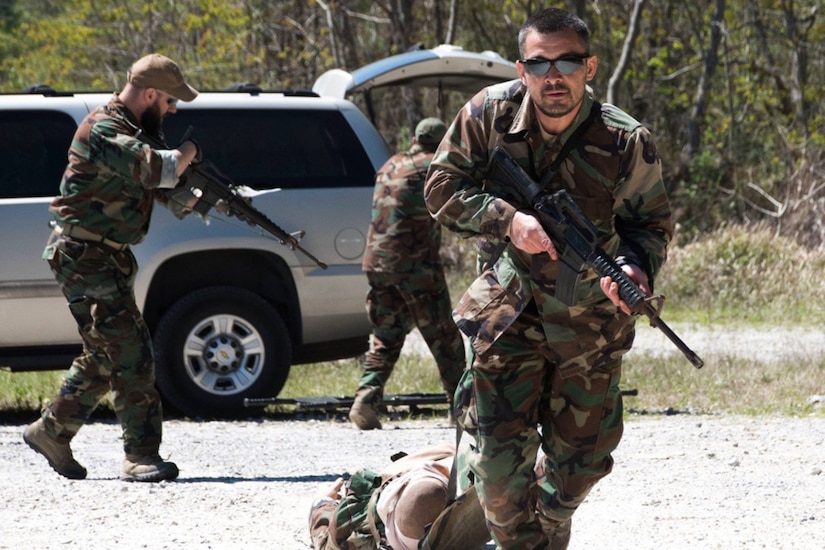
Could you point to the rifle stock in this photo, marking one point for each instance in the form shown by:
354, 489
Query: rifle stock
576, 239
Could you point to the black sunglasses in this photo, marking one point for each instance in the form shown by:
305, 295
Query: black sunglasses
567, 64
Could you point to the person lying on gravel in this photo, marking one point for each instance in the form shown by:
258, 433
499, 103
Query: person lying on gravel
388, 507
399, 506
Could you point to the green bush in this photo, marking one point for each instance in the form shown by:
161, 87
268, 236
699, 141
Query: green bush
745, 274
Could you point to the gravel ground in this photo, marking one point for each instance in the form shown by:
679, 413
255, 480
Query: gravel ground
680, 481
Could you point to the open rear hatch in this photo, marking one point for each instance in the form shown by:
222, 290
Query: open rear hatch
446, 68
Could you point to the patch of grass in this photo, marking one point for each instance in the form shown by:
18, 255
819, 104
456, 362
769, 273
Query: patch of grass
727, 384
27, 391
340, 378
745, 274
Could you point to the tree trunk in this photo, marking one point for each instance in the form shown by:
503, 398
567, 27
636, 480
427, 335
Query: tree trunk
700, 103
624, 59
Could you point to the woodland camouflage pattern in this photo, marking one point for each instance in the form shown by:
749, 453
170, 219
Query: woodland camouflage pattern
406, 276
108, 188
117, 351
536, 361
109, 185
402, 236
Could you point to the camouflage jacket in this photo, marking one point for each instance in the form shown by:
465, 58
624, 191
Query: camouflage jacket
112, 177
402, 237
614, 175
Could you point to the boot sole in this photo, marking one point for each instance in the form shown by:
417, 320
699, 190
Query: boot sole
152, 477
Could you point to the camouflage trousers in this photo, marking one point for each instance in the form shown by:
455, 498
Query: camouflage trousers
117, 346
398, 303
514, 400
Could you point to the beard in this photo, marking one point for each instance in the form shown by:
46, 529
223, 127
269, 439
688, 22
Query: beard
152, 122
557, 107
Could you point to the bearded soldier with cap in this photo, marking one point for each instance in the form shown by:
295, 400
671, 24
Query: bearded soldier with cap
104, 207
406, 277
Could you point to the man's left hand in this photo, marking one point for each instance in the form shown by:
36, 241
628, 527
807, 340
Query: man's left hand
611, 289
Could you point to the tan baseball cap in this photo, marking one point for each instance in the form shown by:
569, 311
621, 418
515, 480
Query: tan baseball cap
161, 73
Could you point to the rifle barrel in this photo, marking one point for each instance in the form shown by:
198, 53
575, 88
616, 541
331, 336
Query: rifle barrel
657, 322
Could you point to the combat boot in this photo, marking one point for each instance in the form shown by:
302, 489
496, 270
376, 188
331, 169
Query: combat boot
364, 410
59, 455
148, 468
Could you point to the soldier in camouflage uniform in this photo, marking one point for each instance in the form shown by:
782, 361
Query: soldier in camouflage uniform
544, 374
406, 277
104, 207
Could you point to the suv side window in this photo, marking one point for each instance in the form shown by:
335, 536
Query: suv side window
271, 148
33, 152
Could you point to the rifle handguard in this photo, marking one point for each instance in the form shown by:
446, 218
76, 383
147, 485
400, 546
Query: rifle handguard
636, 300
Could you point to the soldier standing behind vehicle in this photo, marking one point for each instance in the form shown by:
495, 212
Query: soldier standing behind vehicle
104, 207
537, 361
406, 277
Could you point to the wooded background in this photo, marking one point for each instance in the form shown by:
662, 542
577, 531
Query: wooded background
730, 88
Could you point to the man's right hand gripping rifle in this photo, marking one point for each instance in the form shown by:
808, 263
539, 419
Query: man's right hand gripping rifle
214, 189
554, 224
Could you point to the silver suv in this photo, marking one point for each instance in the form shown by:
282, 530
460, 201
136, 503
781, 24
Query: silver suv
230, 310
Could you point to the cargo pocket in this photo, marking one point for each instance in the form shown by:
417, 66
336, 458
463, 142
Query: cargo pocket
79, 306
487, 309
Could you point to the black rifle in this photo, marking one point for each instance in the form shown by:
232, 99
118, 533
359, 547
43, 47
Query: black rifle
332, 402
329, 403
209, 185
576, 239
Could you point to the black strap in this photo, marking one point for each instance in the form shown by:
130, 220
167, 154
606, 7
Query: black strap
453, 481
572, 141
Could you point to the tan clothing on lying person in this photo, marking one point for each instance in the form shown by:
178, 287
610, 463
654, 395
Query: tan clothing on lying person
390, 507
413, 500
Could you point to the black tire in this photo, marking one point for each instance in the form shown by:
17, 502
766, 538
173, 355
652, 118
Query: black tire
217, 346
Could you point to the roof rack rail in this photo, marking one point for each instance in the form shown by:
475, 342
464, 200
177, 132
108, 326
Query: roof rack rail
239, 87
243, 87
254, 89
43, 89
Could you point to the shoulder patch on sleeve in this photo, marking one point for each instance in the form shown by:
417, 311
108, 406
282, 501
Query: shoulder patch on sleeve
615, 117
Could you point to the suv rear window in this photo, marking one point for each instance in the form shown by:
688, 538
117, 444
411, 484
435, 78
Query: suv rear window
271, 148
33, 152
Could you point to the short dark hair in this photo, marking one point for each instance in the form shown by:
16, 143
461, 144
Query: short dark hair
552, 20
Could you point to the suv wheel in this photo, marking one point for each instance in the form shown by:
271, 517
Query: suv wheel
217, 346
